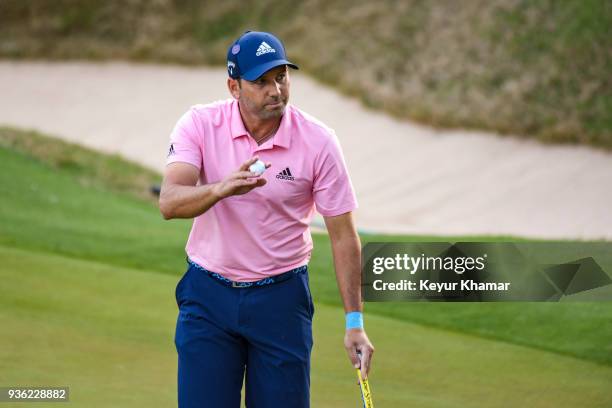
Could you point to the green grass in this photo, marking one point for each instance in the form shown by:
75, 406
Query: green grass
104, 331
47, 209
90, 168
537, 69
87, 300
50, 207
107, 333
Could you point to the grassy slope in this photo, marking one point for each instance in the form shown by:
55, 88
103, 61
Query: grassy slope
44, 208
55, 214
107, 332
535, 68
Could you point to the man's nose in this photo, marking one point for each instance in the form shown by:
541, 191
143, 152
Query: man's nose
275, 89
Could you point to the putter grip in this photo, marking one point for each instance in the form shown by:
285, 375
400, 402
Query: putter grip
366, 394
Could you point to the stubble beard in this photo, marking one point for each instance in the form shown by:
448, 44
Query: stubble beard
263, 113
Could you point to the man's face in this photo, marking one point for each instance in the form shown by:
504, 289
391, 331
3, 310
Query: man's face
267, 96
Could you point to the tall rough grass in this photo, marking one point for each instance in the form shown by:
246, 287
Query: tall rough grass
537, 69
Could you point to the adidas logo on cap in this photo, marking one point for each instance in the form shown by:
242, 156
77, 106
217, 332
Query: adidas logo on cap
264, 48
285, 175
230, 67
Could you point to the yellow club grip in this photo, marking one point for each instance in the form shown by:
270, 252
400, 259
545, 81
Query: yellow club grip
366, 395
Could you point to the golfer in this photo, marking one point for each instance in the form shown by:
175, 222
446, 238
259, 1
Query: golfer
245, 308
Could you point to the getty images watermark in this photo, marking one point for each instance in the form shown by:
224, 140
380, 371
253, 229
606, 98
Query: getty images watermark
476, 271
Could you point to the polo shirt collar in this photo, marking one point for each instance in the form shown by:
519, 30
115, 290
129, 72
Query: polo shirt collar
237, 128
283, 133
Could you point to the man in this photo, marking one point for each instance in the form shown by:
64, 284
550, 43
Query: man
245, 309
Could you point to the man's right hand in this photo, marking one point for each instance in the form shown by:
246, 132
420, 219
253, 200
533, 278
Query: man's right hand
240, 181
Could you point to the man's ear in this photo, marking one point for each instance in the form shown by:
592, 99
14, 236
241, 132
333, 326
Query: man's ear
233, 85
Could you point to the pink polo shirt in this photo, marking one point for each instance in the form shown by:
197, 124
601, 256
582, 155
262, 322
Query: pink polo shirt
266, 231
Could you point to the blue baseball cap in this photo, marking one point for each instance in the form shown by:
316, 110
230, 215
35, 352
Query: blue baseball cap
255, 53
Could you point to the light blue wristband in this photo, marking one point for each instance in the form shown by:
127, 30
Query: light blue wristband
354, 320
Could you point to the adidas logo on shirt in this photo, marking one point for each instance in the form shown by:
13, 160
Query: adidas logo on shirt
264, 48
285, 175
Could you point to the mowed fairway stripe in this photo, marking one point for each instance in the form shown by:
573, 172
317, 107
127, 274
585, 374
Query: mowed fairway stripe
107, 332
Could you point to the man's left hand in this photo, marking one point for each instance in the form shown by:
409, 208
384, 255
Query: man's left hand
359, 349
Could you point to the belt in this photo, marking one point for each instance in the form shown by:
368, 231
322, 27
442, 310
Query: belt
262, 282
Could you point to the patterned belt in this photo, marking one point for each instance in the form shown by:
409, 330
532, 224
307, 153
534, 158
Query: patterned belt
262, 282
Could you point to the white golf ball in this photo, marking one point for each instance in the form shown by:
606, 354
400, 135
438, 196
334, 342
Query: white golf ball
258, 167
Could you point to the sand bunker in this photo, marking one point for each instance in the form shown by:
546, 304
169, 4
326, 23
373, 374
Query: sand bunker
409, 178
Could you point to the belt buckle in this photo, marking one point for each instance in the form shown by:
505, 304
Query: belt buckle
241, 284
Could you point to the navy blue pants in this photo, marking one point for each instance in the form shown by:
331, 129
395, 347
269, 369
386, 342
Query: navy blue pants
262, 334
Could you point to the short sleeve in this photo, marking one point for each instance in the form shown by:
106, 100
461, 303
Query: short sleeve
332, 188
185, 145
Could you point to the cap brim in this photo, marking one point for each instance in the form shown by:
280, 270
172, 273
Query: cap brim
259, 70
